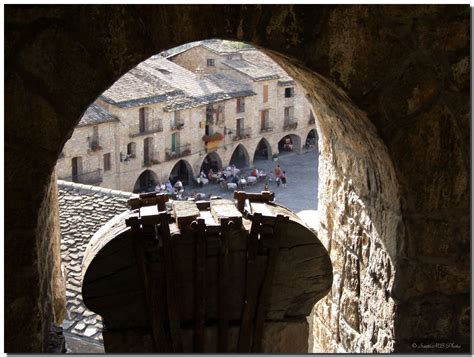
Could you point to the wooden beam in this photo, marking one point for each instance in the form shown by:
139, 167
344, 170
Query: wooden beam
266, 291
200, 285
223, 325
251, 291
170, 276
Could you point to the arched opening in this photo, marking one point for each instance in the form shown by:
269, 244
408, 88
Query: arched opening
289, 143
353, 156
146, 182
183, 172
240, 157
211, 161
263, 150
311, 141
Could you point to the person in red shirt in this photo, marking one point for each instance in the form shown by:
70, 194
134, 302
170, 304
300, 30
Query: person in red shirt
278, 175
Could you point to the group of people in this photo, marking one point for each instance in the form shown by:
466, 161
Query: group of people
176, 191
221, 177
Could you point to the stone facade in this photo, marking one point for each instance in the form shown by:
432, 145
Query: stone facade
114, 136
393, 85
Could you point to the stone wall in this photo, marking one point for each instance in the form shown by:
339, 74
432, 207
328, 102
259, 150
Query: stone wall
396, 179
115, 136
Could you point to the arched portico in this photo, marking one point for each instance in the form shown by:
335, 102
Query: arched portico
146, 182
263, 151
240, 157
289, 143
211, 161
311, 139
183, 172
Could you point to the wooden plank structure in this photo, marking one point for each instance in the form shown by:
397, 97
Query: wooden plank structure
211, 276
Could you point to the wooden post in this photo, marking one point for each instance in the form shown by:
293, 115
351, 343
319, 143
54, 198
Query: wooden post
266, 291
250, 303
200, 285
223, 335
173, 312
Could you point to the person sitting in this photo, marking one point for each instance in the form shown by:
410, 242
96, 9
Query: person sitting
210, 174
178, 186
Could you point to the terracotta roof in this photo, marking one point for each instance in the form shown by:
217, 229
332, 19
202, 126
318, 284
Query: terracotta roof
83, 209
96, 114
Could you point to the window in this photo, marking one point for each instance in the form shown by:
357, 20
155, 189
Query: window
107, 162
264, 119
265, 93
240, 105
94, 138
289, 92
211, 62
289, 114
142, 119
76, 164
131, 149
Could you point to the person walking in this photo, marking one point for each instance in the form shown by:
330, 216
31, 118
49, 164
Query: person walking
283, 179
278, 175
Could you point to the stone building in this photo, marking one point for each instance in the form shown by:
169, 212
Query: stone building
391, 85
161, 120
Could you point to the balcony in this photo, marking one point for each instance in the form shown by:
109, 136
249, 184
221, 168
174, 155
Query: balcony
266, 129
180, 151
290, 125
150, 161
88, 178
94, 145
153, 127
177, 126
244, 134
213, 137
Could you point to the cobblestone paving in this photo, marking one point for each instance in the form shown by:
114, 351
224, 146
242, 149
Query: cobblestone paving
84, 209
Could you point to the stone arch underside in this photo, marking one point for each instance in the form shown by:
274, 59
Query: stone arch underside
146, 181
211, 160
182, 171
289, 142
263, 150
240, 156
359, 196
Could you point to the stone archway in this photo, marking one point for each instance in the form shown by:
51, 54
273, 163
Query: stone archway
211, 161
311, 141
289, 143
240, 157
182, 171
146, 182
263, 150
380, 206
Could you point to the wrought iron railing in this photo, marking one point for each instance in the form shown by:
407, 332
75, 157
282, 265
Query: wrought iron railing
243, 134
150, 128
150, 160
178, 125
88, 178
290, 125
94, 145
178, 152
266, 129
